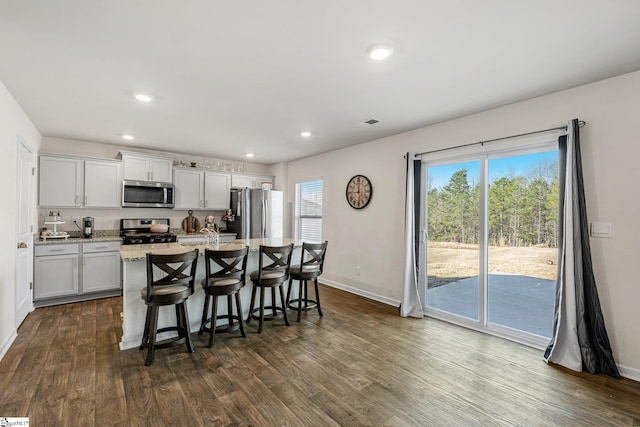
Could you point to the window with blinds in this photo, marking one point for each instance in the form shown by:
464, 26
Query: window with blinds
308, 216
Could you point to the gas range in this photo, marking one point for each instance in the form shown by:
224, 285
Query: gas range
138, 231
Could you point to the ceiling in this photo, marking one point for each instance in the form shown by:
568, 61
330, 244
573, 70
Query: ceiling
232, 77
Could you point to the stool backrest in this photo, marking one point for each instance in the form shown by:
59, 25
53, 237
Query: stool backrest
275, 258
312, 256
226, 263
171, 270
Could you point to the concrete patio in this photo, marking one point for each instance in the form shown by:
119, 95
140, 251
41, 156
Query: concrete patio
519, 302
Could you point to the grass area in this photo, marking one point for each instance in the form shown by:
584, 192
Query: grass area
448, 261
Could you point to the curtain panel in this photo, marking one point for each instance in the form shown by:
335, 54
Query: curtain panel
580, 340
411, 305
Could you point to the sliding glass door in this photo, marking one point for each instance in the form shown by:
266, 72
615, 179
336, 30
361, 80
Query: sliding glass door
453, 245
490, 251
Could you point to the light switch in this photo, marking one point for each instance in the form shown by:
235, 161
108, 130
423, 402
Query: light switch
601, 229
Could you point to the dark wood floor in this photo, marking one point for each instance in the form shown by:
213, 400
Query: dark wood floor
361, 364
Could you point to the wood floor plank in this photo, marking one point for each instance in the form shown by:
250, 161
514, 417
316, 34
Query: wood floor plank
359, 364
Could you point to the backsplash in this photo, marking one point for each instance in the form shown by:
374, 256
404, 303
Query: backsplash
108, 220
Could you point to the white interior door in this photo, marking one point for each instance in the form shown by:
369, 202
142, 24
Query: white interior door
24, 232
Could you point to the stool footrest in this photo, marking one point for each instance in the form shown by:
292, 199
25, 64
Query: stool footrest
267, 316
232, 327
307, 304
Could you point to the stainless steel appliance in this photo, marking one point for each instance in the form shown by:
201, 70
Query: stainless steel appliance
138, 231
142, 194
88, 226
255, 213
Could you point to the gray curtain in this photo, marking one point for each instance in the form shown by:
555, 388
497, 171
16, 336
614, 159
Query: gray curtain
580, 340
411, 304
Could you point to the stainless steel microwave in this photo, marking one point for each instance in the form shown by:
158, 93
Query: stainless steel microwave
143, 194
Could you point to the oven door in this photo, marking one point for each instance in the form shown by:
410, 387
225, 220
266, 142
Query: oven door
140, 194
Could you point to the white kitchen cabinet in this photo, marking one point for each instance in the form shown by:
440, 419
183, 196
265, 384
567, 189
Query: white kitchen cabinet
143, 167
102, 184
249, 181
198, 189
61, 181
78, 182
100, 267
55, 271
69, 272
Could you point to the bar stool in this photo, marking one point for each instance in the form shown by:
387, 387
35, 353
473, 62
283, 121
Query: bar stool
225, 275
273, 270
170, 281
309, 269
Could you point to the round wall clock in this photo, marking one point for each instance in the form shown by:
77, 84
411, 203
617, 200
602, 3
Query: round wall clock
359, 191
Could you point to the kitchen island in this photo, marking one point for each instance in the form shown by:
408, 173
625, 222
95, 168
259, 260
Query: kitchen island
134, 278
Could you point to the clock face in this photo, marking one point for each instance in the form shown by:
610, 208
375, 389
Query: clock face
359, 191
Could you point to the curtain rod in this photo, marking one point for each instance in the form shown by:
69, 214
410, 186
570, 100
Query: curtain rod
581, 123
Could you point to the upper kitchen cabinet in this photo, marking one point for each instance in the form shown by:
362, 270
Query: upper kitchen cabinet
198, 189
145, 167
249, 181
77, 182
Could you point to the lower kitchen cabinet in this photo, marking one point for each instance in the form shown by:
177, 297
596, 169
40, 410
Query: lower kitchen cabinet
76, 272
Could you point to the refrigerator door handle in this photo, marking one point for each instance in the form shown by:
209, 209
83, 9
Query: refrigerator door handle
264, 218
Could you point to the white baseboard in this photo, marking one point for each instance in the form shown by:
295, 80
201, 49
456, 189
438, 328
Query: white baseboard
8, 342
631, 373
356, 291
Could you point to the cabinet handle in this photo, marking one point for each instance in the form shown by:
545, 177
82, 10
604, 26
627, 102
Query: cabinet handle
206, 203
84, 260
102, 247
76, 200
85, 200
55, 250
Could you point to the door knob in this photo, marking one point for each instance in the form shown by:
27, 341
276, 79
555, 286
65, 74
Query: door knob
23, 245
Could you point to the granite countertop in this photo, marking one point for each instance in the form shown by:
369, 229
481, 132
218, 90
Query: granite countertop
139, 252
76, 239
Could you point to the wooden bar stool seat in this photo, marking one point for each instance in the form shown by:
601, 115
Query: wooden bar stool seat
225, 276
170, 281
273, 271
310, 268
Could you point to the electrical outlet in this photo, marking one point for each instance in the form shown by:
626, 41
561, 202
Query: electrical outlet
76, 219
357, 270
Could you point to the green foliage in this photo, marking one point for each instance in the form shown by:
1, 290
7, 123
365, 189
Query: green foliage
523, 210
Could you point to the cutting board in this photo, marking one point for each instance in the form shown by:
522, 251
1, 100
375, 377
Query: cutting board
191, 224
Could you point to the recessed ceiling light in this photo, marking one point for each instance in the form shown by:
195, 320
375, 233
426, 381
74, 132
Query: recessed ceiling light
128, 137
305, 133
379, 52
143, 97
249, 155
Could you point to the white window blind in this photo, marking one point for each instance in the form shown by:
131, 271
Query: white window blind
308, 216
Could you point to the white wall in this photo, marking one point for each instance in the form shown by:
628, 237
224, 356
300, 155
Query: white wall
13, 122
373, 238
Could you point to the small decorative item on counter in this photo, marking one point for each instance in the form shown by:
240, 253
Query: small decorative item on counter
229, 216
193, 164
190, 224
44, 232
266, 185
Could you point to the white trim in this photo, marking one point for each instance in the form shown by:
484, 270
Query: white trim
631, 373
360, 292
8, 343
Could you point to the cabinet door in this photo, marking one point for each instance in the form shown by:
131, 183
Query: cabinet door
256, 181
161, 169
216, 186
55, 276
100, 272
241, 181
136, 168
102, 184
189, 189
60, 182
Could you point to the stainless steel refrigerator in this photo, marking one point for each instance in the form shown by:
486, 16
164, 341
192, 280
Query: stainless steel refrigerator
256, 213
